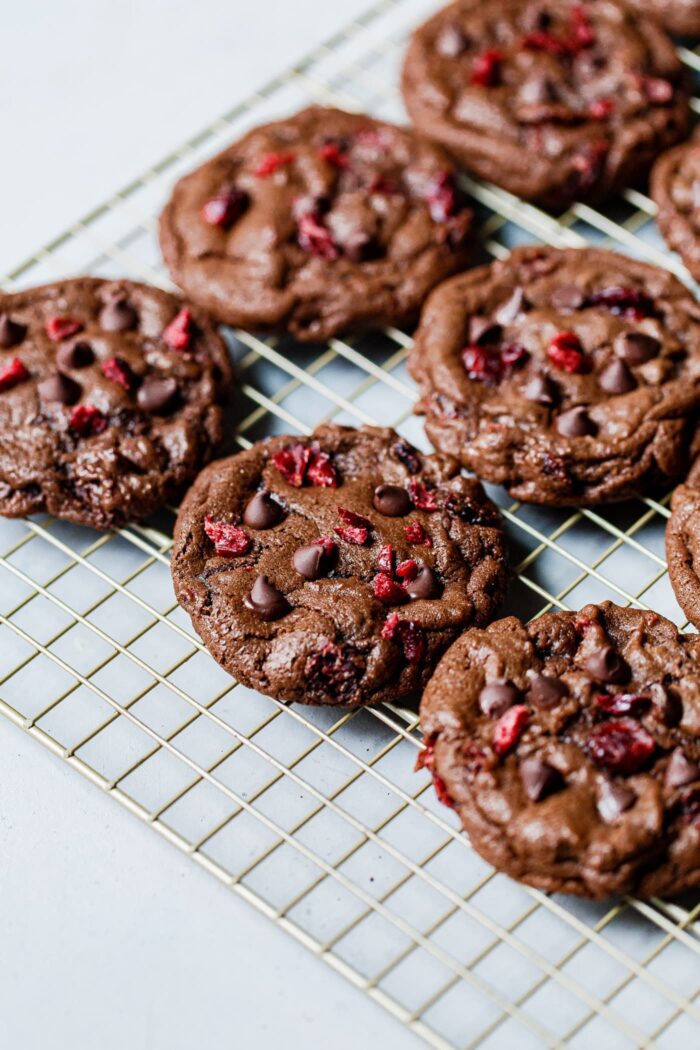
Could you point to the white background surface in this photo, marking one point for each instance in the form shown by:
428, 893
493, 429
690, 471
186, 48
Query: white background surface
109, 938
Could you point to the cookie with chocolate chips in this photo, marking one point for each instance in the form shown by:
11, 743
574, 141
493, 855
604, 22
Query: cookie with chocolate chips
555, 101
570, 748
676, 16
571, 377
675, 188
336, 569
111, 399
683, 545
318, 224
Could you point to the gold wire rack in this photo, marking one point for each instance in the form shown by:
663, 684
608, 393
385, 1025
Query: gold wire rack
315, 816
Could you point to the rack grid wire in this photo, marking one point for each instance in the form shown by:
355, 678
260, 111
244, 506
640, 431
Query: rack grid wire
315, 816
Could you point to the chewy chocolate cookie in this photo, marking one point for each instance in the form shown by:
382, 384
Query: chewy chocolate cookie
675, 187
321, 223
683, 545
336, 569
555, 101
110, 399
677, 16
570, 377
570, 748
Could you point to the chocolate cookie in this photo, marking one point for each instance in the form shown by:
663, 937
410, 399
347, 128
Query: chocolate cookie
110, 399
677, 16
683, 545
570, 748
675, 187
555, 101
320, 223
336, 569
570, 377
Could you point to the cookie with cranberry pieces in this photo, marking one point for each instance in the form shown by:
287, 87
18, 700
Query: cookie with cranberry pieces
683, 545
676, 16
569, 376
321, 223
555, 101
111, 399
675, 188
569, 748
336, 569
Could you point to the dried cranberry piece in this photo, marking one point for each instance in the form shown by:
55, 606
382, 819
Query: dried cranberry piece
329, 545
415, 533
486, 71
622, 703
413, 640
314, 237
509, 728
270, 162
292, 462
355, 528
565, 351
385, 559
59, 328
541, 40
624, 302
179, 332
229, 541
620, 747
225, 209
320, 471
601, 109
407, 569
406, 455
442, 197
589, 163
335, 672
13, 373
513, 354
331, 152
482, 363
119, 371
426, 760
87, 421
581, 28
384, 186
387, 590
421, 496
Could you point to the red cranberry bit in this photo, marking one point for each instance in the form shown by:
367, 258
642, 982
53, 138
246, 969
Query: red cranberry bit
387, 590
13, 373
622, 703
487, 364
329, 545
541, 40
390, 627
119, 371
624, 302
292, 462
270, 162
441, 197
320, 472
487, 68
657, 90
415, 533
224, 210
581, 29
620, 747
406, 455
384, 186
229, 541
355, 529
601, 109
59, 328
421, 496
87, 421
413, 640
331, 152
314, 238
509, 728
589, 163
335, 672
565, 352
179, 332
407, 570
385, 559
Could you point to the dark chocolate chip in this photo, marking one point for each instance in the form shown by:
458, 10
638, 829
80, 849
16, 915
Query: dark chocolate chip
541, 390
680, 771
308, 561
576, 423
483, 330
537, 89
511, 309
11, 332
667, 706
617, 378
451, 42
360, 246
118, 316
496, 697
75, 355
262, 512
614, 799
266, 601
546, 692
567, 298
607, 666
539, 779
157, 395
426, 585
58, 387
637, 347
392, 501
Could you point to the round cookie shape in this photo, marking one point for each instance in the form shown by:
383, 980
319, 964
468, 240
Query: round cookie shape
683, 545
317, 224
568, 376
676, 16
675, 188
555, 101
111, 397
337, 602
585, 779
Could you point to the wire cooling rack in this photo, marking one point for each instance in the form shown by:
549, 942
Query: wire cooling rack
315, 816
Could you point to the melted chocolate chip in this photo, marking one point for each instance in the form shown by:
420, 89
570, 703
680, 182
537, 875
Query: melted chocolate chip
667, 706
483, 330
567, 298
539, 779
614, 799
75, 355
425, 585
607, 666
541, 390
392, 501
58, 387
546, 692
157, 395
262, 512
617, 378
266, 601
308, 561
510, 310
497, 697
637, 347
680, 771
576, 423
11, 332
118, 316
